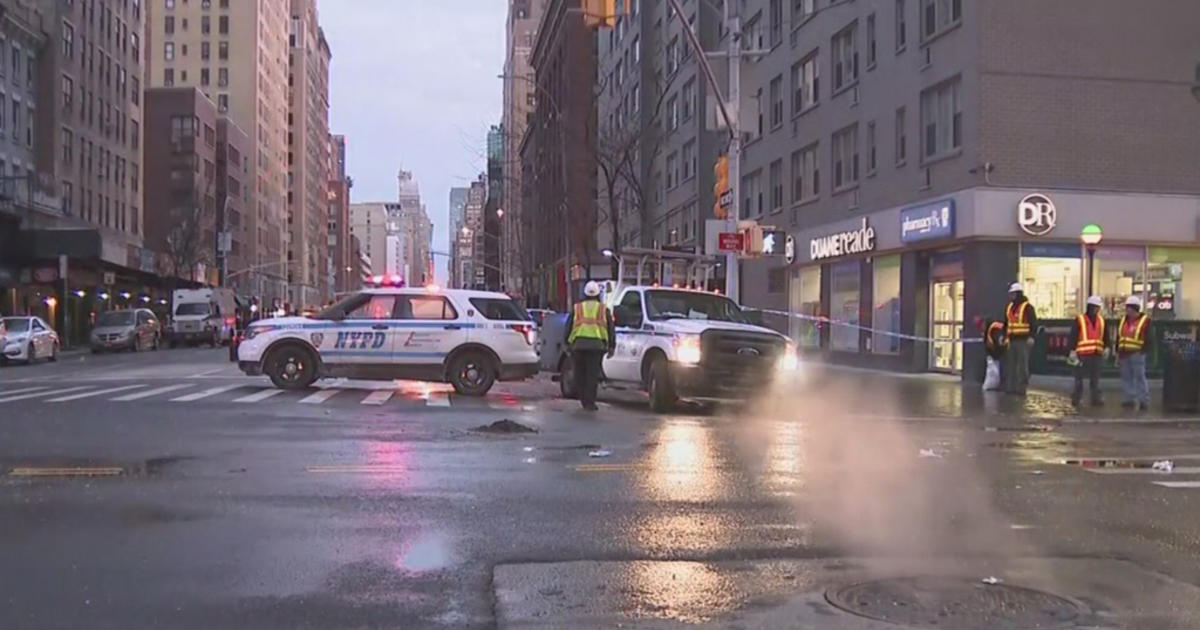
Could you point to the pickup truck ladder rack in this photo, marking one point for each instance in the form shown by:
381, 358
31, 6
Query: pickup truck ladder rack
699, 266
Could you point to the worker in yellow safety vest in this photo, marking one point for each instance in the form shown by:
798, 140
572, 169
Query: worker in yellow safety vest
1020, 325
1133, 331
1089, 344
591, 334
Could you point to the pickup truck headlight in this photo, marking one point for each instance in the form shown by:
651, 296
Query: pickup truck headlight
687, 349
789, 361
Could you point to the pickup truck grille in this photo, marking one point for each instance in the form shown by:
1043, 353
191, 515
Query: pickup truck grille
740, 357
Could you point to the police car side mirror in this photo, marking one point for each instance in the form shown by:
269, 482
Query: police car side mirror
627, 317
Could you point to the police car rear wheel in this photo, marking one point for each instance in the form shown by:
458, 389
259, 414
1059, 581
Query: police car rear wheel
472, 374
291, 367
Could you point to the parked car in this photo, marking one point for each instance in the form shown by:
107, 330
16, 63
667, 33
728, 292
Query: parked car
133, 329
28, 339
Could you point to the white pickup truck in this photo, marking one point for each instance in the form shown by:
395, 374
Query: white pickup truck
681, 344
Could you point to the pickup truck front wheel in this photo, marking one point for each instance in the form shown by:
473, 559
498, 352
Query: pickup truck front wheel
661, 387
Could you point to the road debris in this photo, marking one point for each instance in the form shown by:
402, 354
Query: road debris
1164, 466
991, 581
528, 449
504, 426
599, 453
928, 453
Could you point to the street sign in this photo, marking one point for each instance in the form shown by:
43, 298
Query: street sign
110, 278
730, 242
773, 242
726, 199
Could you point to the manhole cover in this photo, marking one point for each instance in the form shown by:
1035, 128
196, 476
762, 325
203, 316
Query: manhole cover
961, 604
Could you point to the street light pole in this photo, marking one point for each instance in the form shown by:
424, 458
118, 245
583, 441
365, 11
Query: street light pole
1090, 236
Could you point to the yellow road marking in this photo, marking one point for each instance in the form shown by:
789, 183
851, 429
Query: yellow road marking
100, 471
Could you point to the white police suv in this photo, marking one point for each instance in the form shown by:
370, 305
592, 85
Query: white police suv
470, 339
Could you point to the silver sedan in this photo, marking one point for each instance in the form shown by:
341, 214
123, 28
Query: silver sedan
29, 339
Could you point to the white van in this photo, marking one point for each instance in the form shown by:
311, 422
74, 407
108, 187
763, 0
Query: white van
202, 316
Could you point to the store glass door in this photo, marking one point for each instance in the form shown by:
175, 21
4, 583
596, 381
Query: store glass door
946, 350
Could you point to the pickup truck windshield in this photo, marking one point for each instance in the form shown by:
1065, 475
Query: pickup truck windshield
692, 305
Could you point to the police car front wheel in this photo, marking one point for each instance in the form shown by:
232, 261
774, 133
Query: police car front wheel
472, 373
291, 367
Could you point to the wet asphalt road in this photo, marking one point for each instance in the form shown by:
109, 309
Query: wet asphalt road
215, 504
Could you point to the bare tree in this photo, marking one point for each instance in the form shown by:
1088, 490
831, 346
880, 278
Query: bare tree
189, 242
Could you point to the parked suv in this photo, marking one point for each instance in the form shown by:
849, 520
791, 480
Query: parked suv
134, 329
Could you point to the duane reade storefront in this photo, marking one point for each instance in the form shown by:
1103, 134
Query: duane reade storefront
903, 286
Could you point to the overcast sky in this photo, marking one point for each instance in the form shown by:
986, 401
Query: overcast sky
413, 85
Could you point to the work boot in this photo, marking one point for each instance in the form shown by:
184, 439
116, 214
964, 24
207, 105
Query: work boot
1144, 406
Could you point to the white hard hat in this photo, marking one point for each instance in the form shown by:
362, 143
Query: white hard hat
591, 289
1095, 301
1014, 287
1134, 301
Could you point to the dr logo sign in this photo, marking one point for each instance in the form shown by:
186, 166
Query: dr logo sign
360, 340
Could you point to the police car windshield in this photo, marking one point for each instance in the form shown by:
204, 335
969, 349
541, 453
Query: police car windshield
692, 305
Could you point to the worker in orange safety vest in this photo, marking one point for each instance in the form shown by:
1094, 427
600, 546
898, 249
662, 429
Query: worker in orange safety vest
1133, 331
1089, 344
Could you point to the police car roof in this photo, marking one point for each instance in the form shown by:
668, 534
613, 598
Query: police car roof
463, 293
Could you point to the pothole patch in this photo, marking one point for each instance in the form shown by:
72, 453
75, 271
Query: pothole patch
949, 602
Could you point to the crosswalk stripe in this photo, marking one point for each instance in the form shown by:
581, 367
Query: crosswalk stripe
320, 397
212, 391
1178, 484
438, 400
377, 397
148, 393
98, 392
49, 393
23, 391
260, 395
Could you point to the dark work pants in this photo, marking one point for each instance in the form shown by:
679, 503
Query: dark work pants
1089, 368
588, 366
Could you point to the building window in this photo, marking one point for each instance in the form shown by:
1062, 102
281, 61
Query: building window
169, 24
941, 119
845, 57
222, 77
135, 90
222, 103
805, 84
805, 299
673, 56
135, 137
204, 76
67, 197
15, 58
68, 147
801, 9
68, 41
885, 301
776, 183
223, 25
752, 195
689, 159
901, 26
689, 99
168, 77
205, 25
223, 50
845, 157
871, 156
672, 113
134, 43
938, 16
68, 92
871, 41
776, 94
776, 26
170, 4
205, 50
169, 51
806, 174
776, 279
844, 303
1052, 274
672, 170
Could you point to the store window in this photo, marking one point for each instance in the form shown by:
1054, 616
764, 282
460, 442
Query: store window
885, 312
1118, 271
806, 302
844, 299
1171, 288
1052, 274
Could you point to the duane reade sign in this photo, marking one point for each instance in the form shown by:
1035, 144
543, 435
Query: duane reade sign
1037, 215
857, 241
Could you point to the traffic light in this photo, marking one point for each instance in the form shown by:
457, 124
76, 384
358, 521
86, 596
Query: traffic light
603, 13
722, 195
773, 242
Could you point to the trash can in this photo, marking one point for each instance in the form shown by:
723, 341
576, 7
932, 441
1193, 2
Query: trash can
1181, 375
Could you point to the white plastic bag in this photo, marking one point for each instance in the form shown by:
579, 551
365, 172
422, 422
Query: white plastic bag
991, 381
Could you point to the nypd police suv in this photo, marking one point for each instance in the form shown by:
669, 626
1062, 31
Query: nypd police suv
469, 339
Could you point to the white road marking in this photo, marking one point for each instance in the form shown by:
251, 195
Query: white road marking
148, 393
23, 391
260, 395
378, 397
1178, 470
49, 393
438, 400
98, 392
212, 391
1178, 484
320, 397
206, 373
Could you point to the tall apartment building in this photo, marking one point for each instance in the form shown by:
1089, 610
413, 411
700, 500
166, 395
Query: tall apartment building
413, 224
343, 258
494, 263
308, 156
924, 154
87, 114
458, 208
236, 52
519, 100
235, 196
563, 130
369, 224
467, 272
